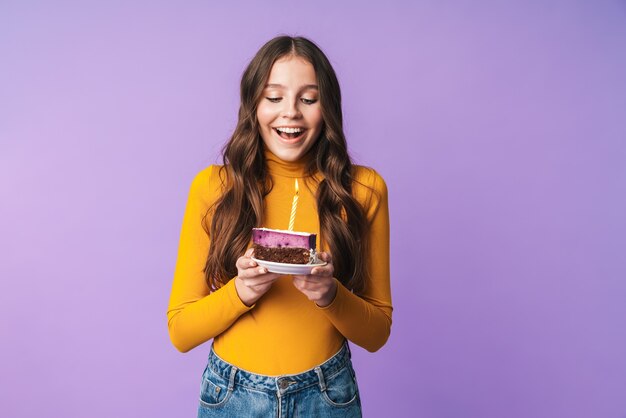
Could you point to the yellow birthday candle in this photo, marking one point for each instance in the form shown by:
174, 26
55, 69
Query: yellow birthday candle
294, 205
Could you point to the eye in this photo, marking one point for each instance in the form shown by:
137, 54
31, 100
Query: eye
274, 99
308, 101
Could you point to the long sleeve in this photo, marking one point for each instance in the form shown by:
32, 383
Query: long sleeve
365, 319
283, 332
194, 314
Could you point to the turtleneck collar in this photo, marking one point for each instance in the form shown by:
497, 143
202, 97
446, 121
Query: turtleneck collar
279, 167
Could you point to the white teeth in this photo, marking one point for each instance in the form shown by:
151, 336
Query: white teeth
290, 130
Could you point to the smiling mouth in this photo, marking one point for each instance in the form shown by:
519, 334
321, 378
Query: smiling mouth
290, 133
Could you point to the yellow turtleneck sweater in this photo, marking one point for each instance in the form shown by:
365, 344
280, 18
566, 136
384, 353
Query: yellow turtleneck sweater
284, 332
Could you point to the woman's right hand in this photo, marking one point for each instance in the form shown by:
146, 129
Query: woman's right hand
252, 281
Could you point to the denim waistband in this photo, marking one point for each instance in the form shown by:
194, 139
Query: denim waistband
282, 383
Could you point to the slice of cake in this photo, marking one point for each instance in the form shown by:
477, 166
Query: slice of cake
283, 246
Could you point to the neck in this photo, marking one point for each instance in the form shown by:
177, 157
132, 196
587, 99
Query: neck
279, 167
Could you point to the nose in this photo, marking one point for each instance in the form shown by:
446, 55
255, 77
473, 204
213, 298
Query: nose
290, 109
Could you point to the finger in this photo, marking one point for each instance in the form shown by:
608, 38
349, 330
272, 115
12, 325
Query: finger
308, 282
299, 283
304, 278
244, 263
261, 280
323, 271
299, 279
326, 257
249, 252
252, 272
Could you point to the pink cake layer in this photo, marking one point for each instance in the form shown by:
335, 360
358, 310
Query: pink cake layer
276, 238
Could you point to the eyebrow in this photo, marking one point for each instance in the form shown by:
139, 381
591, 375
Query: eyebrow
306, 86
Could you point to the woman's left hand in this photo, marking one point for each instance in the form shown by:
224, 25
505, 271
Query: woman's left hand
319, 286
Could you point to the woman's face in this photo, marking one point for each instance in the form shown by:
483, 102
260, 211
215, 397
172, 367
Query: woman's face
289, 113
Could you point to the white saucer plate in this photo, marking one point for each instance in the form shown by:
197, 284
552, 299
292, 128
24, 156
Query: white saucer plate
284, 268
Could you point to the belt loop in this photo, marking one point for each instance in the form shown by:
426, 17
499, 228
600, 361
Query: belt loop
231, 380
320, 376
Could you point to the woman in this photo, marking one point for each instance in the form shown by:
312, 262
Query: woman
279, 341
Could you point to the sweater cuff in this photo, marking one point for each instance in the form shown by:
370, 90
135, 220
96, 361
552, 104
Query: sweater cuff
332, 306
234, 298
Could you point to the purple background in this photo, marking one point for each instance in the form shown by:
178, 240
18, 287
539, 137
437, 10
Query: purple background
500, 128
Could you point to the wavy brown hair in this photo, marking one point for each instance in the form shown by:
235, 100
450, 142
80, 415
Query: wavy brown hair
343, 222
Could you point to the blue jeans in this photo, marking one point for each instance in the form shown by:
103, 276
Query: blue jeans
326, 391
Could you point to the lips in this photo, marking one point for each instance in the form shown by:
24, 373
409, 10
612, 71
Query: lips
290, 136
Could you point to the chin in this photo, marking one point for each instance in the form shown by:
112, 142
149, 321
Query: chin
288, 155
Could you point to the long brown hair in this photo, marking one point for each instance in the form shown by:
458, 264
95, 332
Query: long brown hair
343, 222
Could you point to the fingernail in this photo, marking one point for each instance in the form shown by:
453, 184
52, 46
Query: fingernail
262, 270
252, 263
